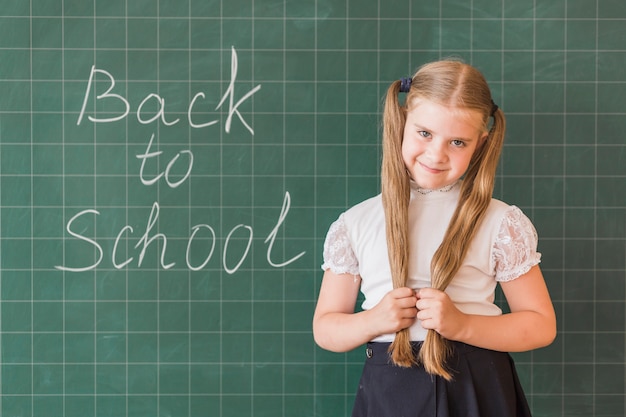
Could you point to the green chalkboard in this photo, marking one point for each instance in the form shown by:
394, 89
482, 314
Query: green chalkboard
169, 169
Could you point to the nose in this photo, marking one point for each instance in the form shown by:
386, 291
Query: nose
436, 151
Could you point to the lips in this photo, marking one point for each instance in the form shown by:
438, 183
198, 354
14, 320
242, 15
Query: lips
429, 169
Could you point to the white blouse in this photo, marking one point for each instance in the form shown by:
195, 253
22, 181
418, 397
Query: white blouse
504, 248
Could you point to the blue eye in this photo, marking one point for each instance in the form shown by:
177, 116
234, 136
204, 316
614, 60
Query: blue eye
423, 133
458, 143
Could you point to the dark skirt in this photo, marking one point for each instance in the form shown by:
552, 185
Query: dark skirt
484, 384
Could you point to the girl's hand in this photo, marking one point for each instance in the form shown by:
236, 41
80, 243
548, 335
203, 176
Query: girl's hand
336, 326
437, 312
396, 311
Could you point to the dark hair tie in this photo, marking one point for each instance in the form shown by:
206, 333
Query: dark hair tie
494, 108
405, 84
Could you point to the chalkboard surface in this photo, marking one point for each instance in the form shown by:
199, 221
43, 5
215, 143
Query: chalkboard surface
169, 169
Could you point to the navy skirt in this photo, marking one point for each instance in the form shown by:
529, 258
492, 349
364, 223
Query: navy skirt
484, 384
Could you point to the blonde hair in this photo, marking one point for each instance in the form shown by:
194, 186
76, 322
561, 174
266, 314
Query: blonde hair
461, 87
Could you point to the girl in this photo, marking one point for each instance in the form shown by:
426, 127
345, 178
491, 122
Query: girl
427, 254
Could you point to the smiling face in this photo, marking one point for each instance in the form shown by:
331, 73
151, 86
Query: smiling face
439, 142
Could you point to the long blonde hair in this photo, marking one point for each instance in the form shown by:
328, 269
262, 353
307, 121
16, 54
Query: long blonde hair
460, 86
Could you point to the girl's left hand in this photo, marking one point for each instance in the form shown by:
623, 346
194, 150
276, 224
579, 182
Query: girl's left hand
437, 312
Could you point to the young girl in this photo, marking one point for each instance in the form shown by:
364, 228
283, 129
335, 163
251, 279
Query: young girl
427, 255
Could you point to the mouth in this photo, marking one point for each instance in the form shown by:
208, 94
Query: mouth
429, 169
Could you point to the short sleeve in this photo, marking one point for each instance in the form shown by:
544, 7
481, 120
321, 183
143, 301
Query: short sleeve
338, 254
515, 248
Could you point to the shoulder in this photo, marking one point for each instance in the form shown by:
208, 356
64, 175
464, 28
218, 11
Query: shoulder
498, 208
504, 223
365, 226
494, 216
365, 210
368, 203
510, 216
500, 213
355, 220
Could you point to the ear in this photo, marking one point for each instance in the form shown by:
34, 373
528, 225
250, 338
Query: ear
482, 140
480, 145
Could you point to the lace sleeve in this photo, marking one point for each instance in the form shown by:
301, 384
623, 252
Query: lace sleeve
515, 248
338, 254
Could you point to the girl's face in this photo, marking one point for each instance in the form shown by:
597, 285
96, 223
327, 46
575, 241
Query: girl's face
439, 142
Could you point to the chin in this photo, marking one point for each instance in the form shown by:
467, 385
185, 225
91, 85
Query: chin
428, 183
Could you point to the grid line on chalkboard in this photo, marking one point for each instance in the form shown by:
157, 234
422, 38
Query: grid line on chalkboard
31, 220
63, 196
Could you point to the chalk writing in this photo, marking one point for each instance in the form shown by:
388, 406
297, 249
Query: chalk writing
172, 184
108, 94
150, 236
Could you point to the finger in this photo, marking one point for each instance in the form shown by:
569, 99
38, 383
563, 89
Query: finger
423, 315
427, 292
403, 292
408, 302
427, 324
410, 312
424, 304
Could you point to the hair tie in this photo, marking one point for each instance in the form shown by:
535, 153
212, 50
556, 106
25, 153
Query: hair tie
405, 84
494, 108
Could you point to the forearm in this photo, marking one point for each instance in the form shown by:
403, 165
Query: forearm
342, 332
531, 324
513, 332
336, 327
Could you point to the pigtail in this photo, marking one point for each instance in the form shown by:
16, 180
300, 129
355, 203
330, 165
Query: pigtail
395, 189
476, 194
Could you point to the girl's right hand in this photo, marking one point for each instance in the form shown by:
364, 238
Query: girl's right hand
338, 328
396, 311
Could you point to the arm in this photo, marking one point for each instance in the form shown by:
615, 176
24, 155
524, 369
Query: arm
531, 324
336, 327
